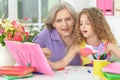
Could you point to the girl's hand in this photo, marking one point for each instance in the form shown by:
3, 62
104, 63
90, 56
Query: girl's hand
47, 52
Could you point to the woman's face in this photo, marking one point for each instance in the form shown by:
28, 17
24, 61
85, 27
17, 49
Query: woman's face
63, 23
85, 26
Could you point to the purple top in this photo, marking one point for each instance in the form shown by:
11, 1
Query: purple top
50, 39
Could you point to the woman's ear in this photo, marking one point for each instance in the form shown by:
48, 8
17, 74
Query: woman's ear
53, 25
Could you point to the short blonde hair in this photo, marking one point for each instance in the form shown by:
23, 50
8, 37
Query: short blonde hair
56, 8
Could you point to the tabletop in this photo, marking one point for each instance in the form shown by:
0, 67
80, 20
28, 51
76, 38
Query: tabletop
69, 73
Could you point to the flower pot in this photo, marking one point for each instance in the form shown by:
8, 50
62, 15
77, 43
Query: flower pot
6, 59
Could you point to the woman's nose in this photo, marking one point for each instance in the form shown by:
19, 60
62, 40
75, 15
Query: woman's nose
64, 23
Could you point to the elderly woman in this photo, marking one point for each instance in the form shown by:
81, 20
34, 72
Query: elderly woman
56, 39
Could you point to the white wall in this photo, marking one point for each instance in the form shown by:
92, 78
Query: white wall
78, 4
114, 22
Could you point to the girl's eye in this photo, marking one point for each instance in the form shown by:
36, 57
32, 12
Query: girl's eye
88, 23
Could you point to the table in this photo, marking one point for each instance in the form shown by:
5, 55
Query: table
70, 73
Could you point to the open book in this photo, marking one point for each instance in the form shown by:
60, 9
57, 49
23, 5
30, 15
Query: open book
29, 54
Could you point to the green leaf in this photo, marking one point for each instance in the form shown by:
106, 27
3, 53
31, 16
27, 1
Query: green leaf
2, 40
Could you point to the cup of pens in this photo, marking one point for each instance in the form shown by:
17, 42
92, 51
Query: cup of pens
98, 65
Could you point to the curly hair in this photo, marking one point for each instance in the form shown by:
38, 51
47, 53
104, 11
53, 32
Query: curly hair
99, 25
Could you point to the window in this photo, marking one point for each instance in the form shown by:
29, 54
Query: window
3, 9
36, 10
28, 8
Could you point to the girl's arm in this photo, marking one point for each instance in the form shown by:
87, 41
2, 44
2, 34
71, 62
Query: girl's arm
66, 60
114, 49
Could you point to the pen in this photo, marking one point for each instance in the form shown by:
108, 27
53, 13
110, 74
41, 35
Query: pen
61, 68
39, 73
89, 71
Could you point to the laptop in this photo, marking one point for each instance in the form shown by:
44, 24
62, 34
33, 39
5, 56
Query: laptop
29, 54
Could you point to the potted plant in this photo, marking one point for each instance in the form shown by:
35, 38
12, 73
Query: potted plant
14, 31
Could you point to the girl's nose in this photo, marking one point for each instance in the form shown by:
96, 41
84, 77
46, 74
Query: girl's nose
83, 26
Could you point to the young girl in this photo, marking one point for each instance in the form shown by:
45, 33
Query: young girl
92, 38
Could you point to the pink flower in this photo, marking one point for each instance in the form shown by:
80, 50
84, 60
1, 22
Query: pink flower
13, 22
17, 38
9, 35
27, 35
1, 31
12, 30
26, 19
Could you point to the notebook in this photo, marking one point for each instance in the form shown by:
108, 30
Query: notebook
17, 77
16, 70
111, 76
29, 54
112, 68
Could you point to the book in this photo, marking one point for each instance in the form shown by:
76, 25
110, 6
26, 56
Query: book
112, 68
16, 70
17, 77
112, 76
29, 54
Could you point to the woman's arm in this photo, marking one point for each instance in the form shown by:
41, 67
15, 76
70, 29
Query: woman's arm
114, 49
66, 60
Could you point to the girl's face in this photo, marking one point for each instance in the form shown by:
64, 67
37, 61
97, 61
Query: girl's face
85, 26
64, 23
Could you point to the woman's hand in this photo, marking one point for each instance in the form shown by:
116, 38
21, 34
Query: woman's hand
47, 52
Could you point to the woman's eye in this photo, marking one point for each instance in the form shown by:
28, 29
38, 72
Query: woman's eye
68, 19
59, 20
